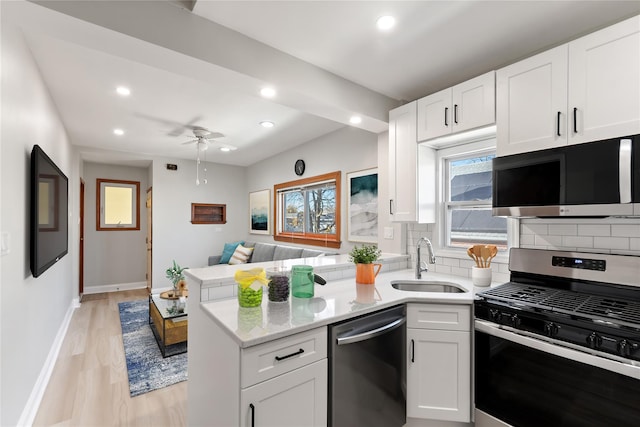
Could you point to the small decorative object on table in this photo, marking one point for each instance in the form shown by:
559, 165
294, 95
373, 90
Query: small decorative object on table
250, 283
278, 284
176, 275
482, 255
363, 257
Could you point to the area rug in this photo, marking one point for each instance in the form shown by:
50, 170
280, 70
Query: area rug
146, 367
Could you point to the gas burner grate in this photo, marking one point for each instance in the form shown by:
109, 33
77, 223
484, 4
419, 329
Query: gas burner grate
618, 311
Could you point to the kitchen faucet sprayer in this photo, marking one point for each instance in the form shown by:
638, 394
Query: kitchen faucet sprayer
432, 258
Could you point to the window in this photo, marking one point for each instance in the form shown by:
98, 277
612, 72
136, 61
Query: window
308, 210
118, 205
466, 195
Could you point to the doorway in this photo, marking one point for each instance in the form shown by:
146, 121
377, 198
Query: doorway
149, 241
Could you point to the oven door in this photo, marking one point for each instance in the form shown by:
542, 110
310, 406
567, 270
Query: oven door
527, 382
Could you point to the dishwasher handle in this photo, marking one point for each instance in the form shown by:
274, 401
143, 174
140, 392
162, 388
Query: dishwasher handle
350, 339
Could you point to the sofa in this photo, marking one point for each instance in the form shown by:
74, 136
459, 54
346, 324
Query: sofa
266, 252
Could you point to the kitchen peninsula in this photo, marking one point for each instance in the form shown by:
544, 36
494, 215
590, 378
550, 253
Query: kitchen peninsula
258, 362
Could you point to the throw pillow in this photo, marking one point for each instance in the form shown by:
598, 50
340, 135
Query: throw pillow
241, 255
228, 250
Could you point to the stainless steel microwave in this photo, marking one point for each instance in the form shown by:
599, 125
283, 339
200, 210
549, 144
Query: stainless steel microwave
594, 179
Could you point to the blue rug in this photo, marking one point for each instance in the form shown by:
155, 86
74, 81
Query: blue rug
146, 367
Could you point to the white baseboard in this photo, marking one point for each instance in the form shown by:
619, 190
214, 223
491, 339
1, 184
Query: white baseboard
31, 408
114, 288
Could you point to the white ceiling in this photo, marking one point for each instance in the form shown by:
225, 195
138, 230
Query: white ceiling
326, 59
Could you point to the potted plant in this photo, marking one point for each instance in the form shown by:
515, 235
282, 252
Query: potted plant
176, 275
364, 258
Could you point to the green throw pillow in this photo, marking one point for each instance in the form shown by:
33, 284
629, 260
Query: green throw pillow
229, 249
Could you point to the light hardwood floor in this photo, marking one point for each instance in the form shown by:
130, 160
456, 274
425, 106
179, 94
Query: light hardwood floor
89, 384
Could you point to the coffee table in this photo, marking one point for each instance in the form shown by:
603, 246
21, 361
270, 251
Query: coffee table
169, 326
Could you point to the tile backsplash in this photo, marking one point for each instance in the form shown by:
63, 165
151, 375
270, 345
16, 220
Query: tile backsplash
607, 235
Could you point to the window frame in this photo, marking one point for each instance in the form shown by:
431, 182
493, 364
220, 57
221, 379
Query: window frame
484, 146
325, 240
135, 205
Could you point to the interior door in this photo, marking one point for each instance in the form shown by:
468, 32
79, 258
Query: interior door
81, 246
149, 240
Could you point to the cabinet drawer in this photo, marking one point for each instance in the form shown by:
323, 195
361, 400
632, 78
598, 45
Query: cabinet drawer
274, 358
439, 316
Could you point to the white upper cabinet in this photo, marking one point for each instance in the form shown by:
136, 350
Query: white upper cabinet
466, 106
586, 90
532, 103
604, 83
412, 170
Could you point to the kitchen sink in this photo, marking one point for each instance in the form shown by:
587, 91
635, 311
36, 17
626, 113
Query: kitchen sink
427, 286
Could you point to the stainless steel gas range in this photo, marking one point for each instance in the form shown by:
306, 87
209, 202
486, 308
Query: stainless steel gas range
559, 344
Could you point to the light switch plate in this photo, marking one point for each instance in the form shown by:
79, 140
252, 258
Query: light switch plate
4, 242
388, 232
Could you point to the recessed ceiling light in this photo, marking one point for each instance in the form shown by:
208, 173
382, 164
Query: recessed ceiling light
123, 91
118, 132
355, 120
268, 92
267, 124
385, 23
225, 149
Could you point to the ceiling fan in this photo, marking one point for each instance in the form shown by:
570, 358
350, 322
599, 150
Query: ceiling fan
204, 137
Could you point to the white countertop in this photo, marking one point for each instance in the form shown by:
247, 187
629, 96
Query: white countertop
334, 302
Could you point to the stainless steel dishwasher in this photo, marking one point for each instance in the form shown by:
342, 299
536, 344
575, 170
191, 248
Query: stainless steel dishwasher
367, 367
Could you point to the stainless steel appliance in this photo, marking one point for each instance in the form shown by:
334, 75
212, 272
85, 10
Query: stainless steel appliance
367, 368
593, 179
559, 344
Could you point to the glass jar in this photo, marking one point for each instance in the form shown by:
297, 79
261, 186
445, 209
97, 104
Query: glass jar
249, 297
250, 284
278, 284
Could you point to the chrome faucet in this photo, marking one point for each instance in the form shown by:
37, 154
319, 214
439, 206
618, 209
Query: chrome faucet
432, 258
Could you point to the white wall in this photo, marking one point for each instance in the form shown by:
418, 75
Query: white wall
347, 150
174, 237
113, 259
32, 311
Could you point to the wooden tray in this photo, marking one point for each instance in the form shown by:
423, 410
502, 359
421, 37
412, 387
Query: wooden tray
169, 295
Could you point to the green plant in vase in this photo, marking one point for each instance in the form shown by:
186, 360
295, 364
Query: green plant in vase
176, 275
364, 258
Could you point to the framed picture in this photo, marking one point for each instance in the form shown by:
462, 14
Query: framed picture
259, 209
362, 205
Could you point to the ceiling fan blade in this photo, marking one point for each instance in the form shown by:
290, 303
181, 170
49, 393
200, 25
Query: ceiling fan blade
214, 135
189, 142
180, 128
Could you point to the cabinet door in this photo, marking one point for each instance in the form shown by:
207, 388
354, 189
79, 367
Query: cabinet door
532, 102
435, 115
439, 375
474, 103
604, 83
296, 399
403, 148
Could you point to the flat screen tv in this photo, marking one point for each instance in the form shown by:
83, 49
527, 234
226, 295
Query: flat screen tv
49, 219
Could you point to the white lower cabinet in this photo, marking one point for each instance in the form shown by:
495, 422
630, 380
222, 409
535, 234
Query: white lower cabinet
439, 362
297, 398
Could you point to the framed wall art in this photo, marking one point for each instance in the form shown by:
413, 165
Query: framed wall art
259, 212
362, 205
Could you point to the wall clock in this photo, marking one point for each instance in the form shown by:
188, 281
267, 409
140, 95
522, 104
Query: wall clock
299, 167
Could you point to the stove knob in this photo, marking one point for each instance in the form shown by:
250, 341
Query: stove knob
515, 321
550, 329
624, 348
594, 340
495, 315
